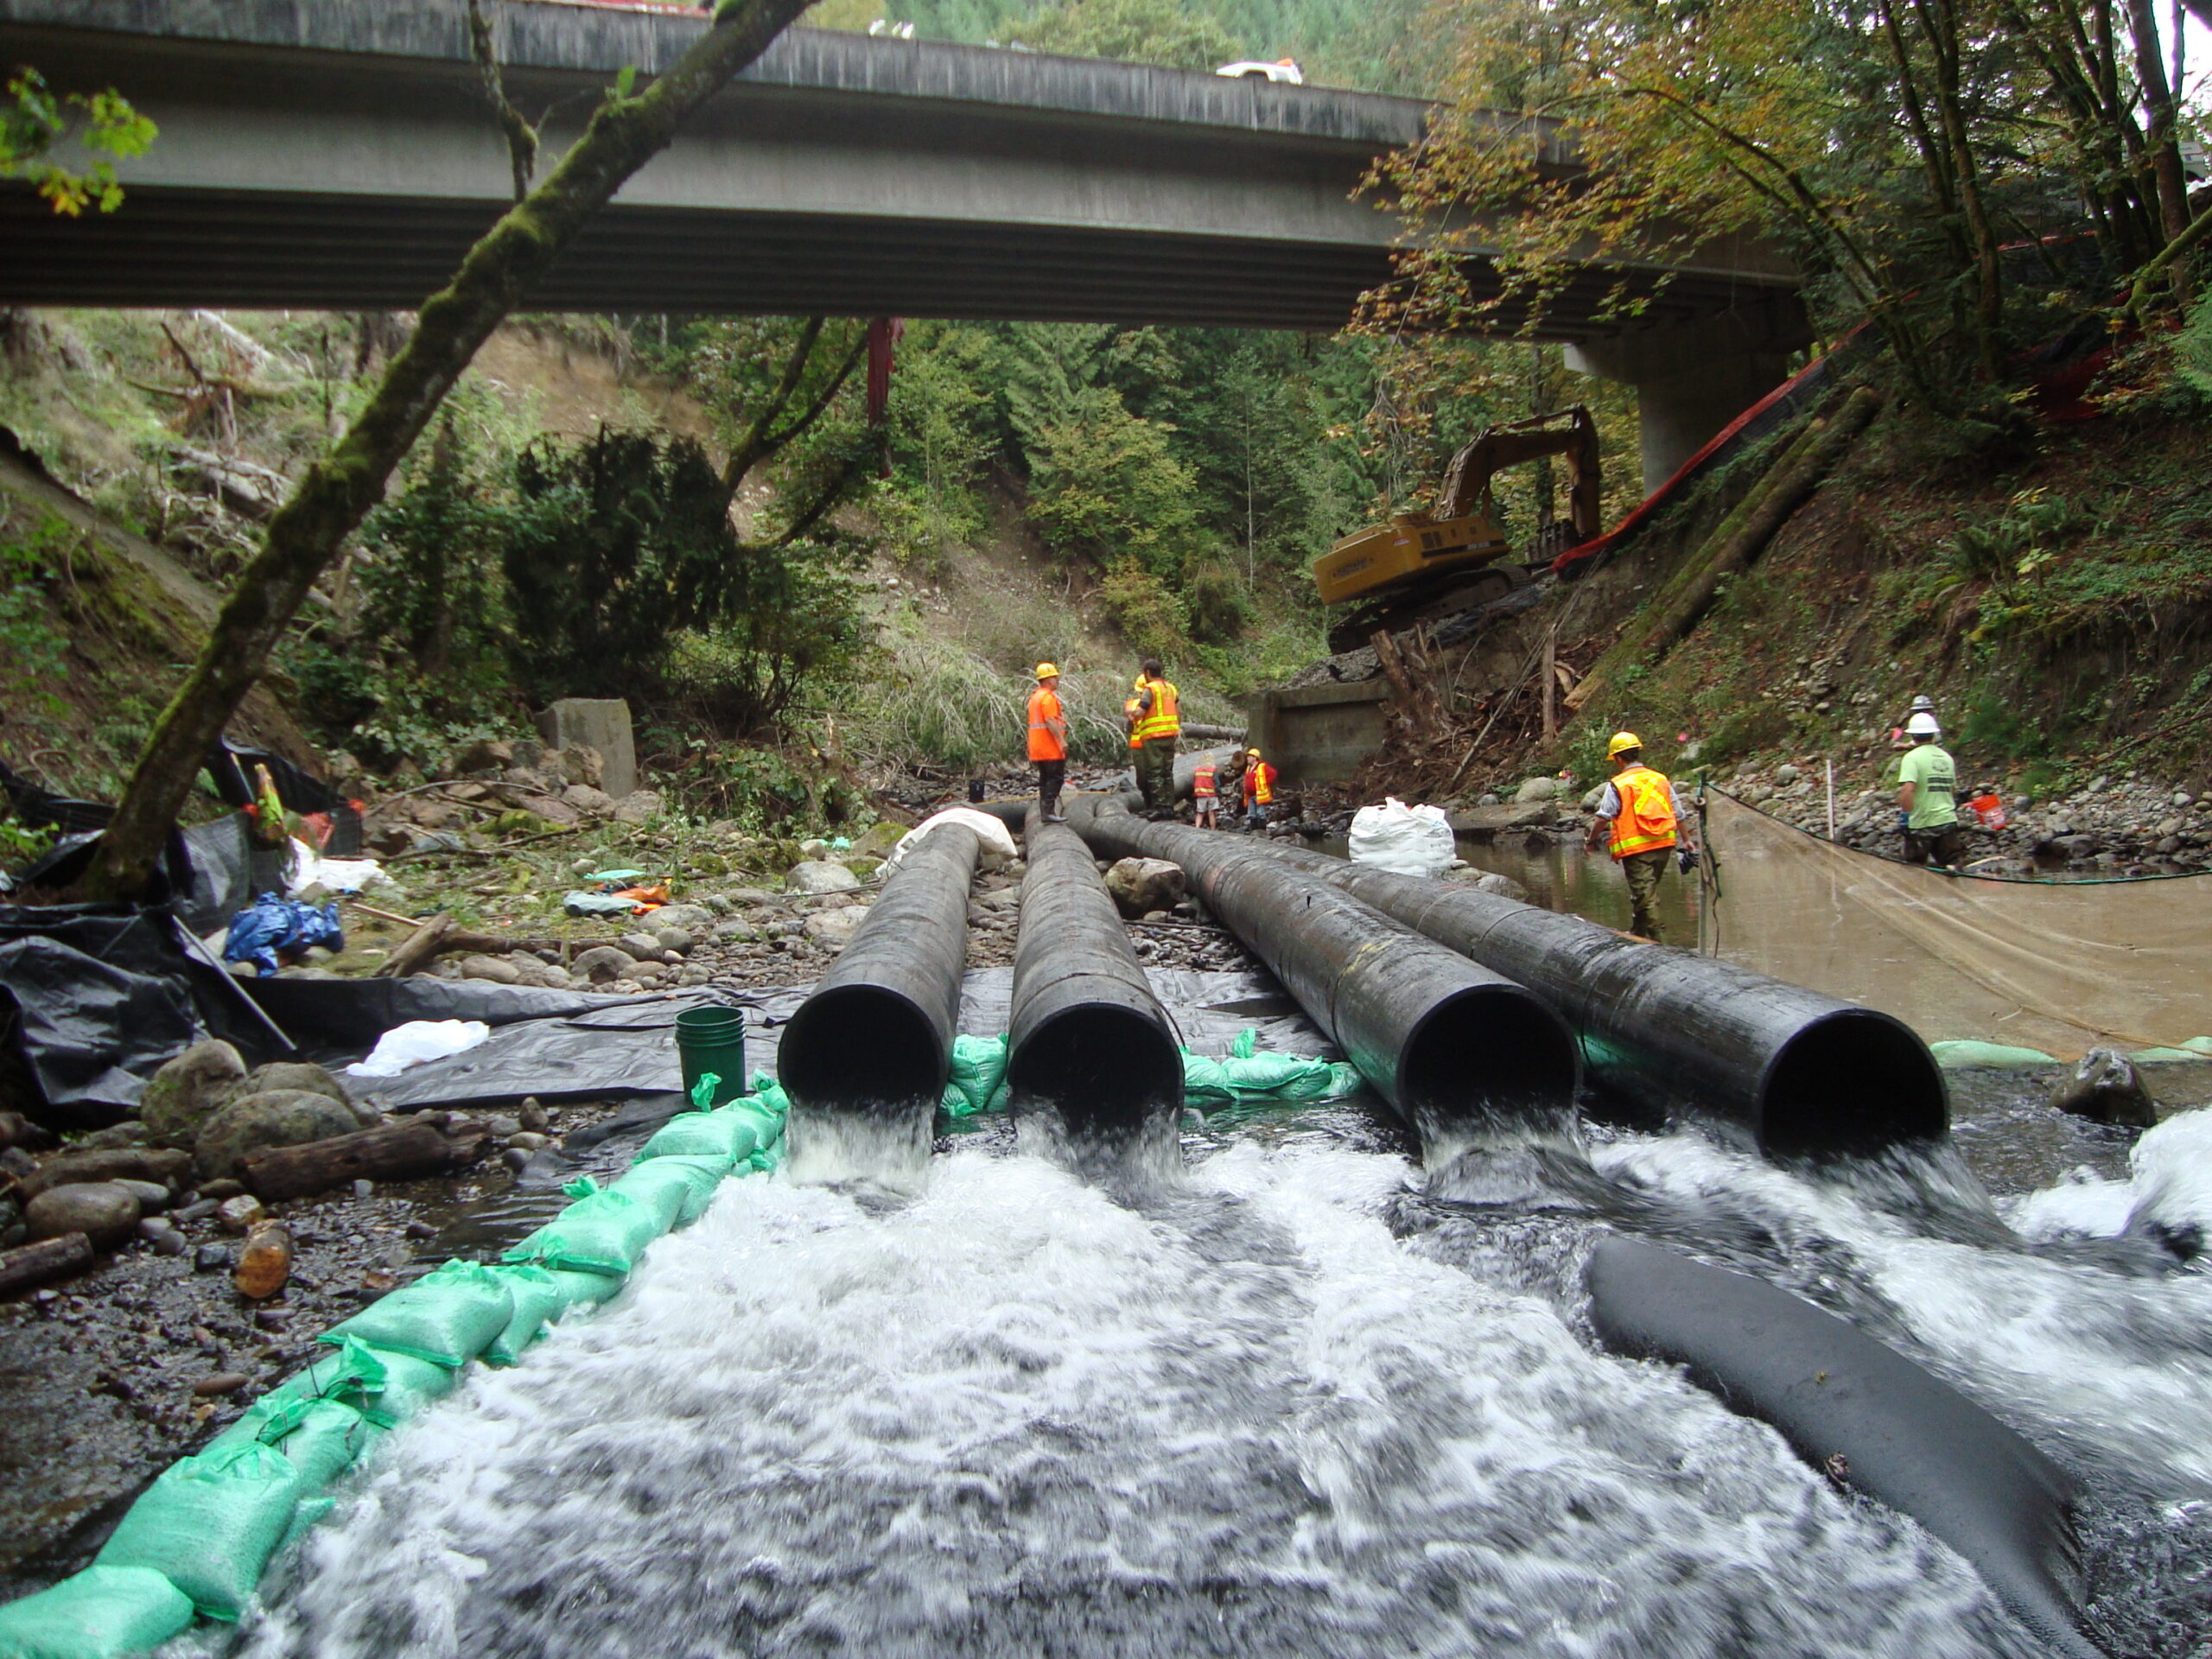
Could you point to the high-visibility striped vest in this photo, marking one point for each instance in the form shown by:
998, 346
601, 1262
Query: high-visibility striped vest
1164, 721
1262, 782
1129, 714
1044, 742
1646, 819
1201, 787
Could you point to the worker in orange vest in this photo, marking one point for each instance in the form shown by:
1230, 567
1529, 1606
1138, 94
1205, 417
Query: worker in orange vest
1259, 790
1048, 740
1206, 794
1639, 823
1157, 726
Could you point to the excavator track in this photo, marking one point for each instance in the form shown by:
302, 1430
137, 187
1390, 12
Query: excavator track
1453, 594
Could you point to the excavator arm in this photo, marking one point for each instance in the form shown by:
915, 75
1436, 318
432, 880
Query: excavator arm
1569, 432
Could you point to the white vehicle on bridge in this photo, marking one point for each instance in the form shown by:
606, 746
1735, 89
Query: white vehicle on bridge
1282, 69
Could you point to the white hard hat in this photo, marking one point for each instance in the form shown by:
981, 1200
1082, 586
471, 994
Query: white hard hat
1923, 725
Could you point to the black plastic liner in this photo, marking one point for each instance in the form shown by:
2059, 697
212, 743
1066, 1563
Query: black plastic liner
556, 1044
98, 997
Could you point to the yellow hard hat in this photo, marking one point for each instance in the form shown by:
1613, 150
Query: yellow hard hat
1254, 754
1046, 672
1621, 743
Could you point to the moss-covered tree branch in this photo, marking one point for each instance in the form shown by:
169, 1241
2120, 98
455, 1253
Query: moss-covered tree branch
304, 536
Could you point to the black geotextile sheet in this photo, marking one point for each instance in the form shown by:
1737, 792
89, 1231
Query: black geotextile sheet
99, 997
96, 997
556, 1044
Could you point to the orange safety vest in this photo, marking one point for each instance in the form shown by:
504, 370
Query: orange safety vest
1129, 714
1646, 819
1262, 783
1201, 787
1044, 742
1164, 721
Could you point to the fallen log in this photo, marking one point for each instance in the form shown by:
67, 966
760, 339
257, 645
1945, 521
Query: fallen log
34, 1264
392, 1152
419, 947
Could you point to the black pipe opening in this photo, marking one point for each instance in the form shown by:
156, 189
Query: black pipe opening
1107, 1069
1854, 1081
859, 1046
1490, 1052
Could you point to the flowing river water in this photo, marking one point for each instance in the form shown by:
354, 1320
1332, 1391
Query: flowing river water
1296, 1400
1291, 1404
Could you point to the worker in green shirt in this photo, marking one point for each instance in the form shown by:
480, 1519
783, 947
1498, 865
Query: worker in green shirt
1927, 795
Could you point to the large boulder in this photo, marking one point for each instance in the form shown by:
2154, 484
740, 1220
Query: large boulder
283, 1117
692, 918
878, 840
2106, 1088
497, 971
304, 1074
639, 806
819, 875
836, 928
1139, 885
1537, 789
602, 963
105, 1212
165, 1166
180, 1096
592, 802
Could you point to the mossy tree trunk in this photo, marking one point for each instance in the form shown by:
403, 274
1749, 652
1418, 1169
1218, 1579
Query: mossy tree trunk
305, 534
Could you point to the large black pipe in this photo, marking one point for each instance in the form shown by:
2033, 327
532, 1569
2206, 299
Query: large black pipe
1091, 1053
1669, 1029
1865, 1414
1467, 1057
866, 1058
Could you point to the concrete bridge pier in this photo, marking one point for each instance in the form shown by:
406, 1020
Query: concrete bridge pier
1692, 378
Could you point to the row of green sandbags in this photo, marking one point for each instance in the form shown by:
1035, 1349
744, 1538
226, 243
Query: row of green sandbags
198, 1540
1245, 1076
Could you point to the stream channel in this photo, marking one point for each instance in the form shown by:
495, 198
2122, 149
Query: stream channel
1295, 1402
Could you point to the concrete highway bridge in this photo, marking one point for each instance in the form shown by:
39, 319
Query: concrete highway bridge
338, 154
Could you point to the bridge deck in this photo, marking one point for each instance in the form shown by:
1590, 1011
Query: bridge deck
337, 153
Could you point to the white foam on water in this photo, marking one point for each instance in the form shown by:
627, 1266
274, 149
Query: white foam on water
2169, 1188
2116, 1369
1013, 1417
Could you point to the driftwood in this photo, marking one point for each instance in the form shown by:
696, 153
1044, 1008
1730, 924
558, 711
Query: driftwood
1415, 696
390, 1153
34, 1264
419, 947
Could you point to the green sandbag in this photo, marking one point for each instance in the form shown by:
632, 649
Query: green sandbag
210, 1523
386, 1387
978, 1069
600, 1232
320, 1438
411, 1385
770, 1101
1966, 1052
104, 1612
448, 1316
683, 1186
1244, 1074
538, 1301
726, 1133
311, 1514
584, 1290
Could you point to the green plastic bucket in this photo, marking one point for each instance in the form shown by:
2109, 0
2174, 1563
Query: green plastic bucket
712, 1040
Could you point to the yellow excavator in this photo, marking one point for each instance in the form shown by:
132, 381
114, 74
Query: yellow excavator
1425, 567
